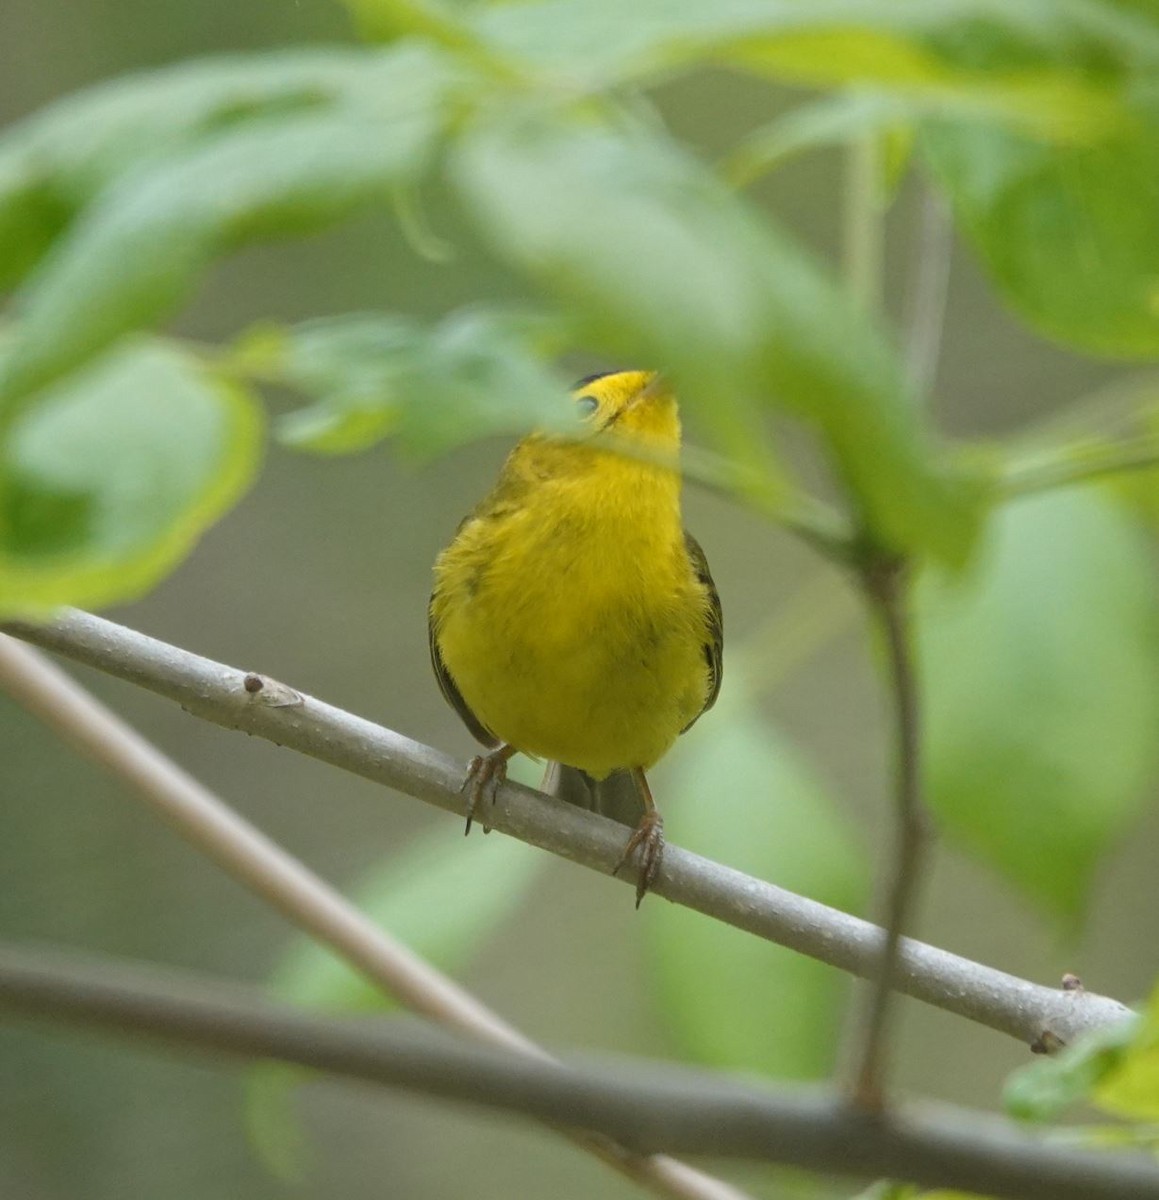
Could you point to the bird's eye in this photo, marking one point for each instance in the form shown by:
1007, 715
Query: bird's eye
586, 405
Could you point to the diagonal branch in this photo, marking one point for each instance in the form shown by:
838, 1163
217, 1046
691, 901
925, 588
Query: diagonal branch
672, 1109
219, 694
265, 868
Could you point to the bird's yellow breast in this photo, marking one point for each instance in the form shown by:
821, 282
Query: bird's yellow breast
570, 618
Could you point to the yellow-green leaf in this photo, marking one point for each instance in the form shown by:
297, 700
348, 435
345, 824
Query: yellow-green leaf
664, 267
1069, 234
140, 248
109, 478
1041, 677
1131, 1089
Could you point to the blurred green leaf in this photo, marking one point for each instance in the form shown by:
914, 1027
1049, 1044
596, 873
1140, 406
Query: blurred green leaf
1110, 436
664, 267
887, 1189
107, 483
1070, 234
141, 247
1131, 1087
1036, 61
1044, 1089
478, 372
60, 158
1110, 1137
351, 365
832, 120
733, 1000
442, 897
1042, 692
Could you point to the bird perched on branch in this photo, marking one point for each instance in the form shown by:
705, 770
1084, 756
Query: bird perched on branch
574, 619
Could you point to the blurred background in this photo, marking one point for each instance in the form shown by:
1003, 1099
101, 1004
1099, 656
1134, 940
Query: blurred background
320, 578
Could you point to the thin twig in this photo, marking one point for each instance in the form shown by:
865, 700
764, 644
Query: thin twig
653, 1107
219, 694
887, 588
268, 870
1078, 464
813, 615
927, 300
864, 246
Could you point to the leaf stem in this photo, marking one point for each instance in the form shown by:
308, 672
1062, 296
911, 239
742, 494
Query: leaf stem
817, 612
932, 252
1078, 464
887, 587
864, 239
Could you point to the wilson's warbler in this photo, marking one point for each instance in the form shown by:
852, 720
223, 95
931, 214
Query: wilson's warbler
574, 619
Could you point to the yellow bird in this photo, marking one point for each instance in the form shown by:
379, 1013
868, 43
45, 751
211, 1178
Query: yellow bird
574, 619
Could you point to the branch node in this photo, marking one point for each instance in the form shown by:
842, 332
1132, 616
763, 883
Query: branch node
1047, 1043
264, 690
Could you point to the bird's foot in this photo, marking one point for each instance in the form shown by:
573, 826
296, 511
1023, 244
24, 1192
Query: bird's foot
485, 772
648, 839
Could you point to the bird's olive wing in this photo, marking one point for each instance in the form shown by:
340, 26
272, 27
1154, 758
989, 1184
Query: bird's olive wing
450, 690
714, 646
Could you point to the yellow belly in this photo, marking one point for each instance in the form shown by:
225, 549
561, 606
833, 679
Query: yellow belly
582, 643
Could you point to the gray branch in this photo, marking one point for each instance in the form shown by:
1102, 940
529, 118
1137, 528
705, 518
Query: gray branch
265, 708
650, 1108
264, 867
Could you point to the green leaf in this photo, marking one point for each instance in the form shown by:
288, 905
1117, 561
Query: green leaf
1041, 692
887, 1189
835, 119
1043, 1090
1110, 1137
1069, 234
351, 365
108, 482
664, 267
829, 121
442, 897
57, 160
1131, 1087
478, 372
141, 248
1038, 59
730, 999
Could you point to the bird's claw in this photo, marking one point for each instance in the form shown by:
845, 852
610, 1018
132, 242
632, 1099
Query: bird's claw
485, 773
648, 839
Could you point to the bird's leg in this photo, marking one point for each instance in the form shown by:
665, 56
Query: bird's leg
485, 773
648, 838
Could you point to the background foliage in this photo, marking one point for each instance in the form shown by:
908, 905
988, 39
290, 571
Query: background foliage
459, 204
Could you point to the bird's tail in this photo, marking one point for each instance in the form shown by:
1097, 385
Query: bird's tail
616, 796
